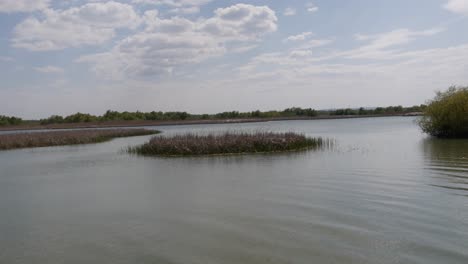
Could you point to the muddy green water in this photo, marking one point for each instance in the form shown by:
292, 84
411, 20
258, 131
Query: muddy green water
385, 193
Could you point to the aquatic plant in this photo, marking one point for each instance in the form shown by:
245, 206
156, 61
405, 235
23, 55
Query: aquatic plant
227, 143
59, 138
446, 116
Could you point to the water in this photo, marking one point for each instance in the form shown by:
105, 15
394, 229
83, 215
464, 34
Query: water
384, 193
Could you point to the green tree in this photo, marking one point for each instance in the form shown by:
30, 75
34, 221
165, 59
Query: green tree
10, 120
447, 114
54, 119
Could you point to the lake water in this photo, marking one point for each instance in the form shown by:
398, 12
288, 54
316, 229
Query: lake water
385, 193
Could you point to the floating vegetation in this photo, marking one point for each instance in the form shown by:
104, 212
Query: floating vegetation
60, 138
227, 143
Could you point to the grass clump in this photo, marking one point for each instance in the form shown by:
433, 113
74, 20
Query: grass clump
446, 116
227, 143
60, 138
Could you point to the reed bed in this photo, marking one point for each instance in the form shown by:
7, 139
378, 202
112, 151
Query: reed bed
60, 138
227, 143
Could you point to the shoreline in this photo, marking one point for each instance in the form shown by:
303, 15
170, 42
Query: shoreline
144, 123
66, 138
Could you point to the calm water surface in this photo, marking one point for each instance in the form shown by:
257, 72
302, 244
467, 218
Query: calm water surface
384, 193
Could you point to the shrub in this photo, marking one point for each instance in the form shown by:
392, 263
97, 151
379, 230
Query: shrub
54, 119
10, 120
447, 114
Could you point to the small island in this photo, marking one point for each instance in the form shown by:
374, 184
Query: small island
227, 144
61, 138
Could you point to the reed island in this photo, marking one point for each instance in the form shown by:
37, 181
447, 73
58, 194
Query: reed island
226, 144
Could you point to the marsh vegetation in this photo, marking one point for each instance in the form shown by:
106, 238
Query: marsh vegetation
60, 138
227, 143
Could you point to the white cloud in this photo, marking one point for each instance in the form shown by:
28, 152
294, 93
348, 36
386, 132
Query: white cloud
299, 37
49, 69
169, 44
10, 6
311, 7
241, 22
379, 44
315, 43
147, 54
289, 11
185, 10
176, 3
299, 64
243, 49
457, 6
90, 24
306, 58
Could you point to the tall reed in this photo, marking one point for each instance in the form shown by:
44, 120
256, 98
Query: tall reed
59, 138
227, 143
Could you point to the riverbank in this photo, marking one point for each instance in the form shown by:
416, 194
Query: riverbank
143, 123
62, 138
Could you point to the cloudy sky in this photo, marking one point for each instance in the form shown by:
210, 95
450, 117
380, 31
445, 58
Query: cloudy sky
205, 56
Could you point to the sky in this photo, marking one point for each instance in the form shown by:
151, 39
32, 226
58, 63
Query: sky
208, 56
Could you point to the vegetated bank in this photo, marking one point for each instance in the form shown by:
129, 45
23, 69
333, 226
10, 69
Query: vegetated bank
132, 119
10, 121
227, 143
60, 138
113, 116
446, 116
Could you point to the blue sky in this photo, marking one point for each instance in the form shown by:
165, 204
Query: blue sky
205, 56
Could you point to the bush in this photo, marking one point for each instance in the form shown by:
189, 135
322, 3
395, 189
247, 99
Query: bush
447, 114
54, 119
10, 120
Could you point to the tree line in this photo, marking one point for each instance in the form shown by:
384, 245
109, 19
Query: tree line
9, 120
110, 115
292, 112
379, 110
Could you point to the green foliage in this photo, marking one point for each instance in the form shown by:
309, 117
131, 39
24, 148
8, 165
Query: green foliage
297, 111
75, 118
54, 119
79, 117
118, 116
292, 112
447, 114
390, 110
10, 120
288, 112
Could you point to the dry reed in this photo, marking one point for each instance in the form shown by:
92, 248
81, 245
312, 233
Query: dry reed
60, 138
227, 143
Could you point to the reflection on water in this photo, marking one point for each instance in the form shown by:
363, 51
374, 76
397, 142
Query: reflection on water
447, 161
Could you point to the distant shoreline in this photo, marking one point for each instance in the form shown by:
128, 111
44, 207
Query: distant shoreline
143, 123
